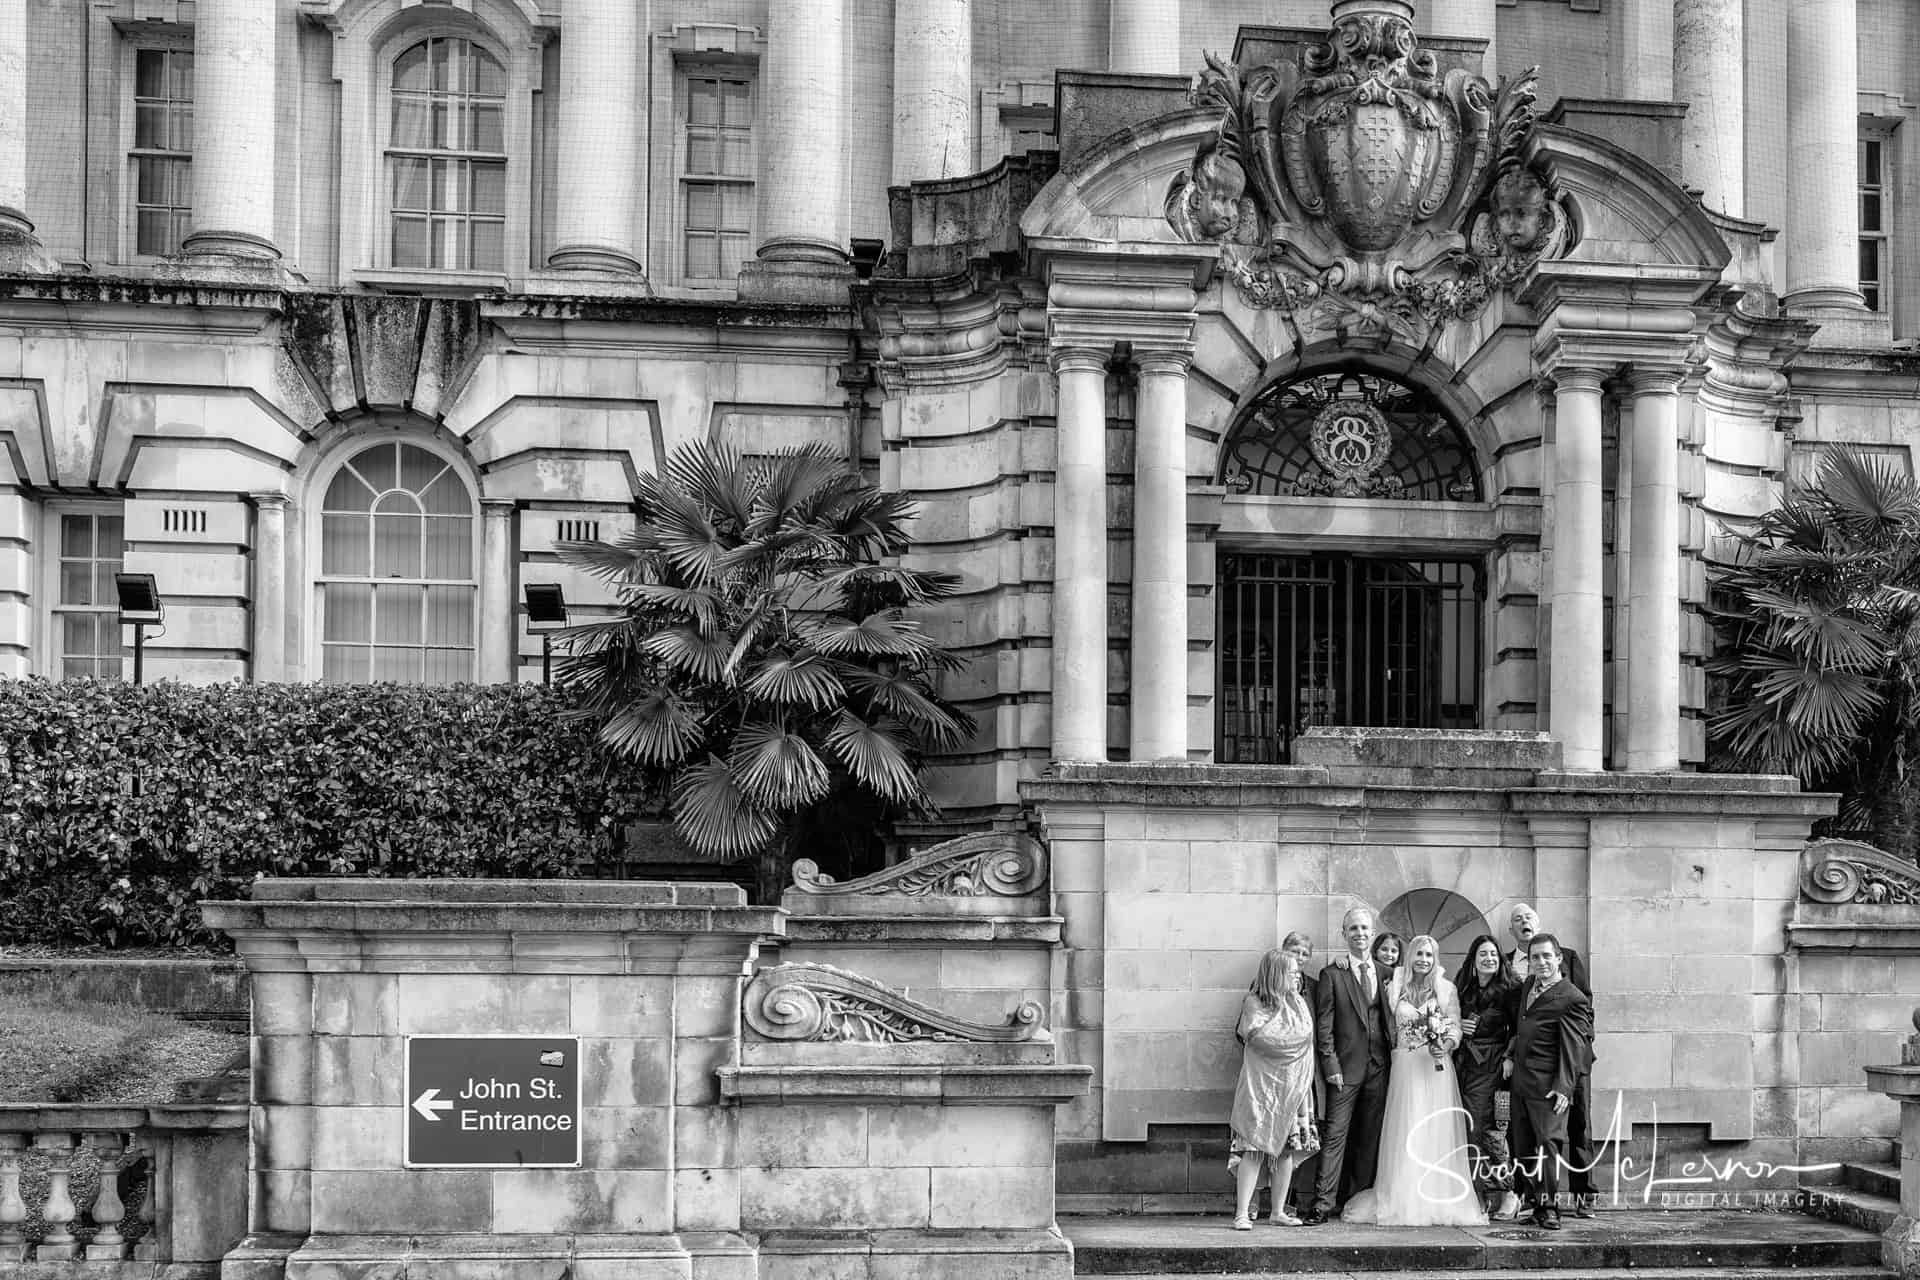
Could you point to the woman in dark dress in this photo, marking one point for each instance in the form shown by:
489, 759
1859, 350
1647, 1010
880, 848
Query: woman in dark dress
1487, 1002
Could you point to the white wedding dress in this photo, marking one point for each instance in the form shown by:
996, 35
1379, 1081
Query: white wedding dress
1423, 1179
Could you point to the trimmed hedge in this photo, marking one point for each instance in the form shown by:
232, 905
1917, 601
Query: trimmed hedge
122, 807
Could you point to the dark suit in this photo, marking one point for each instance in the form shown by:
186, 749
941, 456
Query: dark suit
1306, 1169
1551, 1050
1355, 1042
1579, 1132
1476, 1062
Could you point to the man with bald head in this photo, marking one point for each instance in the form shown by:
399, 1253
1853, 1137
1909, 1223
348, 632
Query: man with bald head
1523, 923
1353, 1030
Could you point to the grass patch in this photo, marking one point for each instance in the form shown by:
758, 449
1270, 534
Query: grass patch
77, 1052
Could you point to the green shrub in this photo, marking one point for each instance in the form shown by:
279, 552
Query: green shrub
123, 807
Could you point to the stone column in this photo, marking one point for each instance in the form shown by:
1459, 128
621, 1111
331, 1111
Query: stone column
1709, 75
1080, 556
801, 203
932, 89
1575, 712
1646, 51
1159, 651
269, 587
1823, 139
499, 614
234, 119
602, 122
1653, 574
1461, 18
13, 121
1143, 36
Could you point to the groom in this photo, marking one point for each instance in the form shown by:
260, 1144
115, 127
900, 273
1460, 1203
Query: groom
1353, 1028
1550, 1051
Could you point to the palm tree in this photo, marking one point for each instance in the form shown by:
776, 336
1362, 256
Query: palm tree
763, 661
1819, 619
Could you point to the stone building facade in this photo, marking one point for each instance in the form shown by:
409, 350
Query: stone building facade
337, 316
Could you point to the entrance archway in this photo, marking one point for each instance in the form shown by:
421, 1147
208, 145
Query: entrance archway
1442, 914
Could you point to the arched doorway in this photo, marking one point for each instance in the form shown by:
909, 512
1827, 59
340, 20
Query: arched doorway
1443, 915
1344, 637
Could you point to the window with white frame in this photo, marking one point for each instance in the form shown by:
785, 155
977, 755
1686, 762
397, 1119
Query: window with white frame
397, 587
446, 157
717, 167
86, 608
1873, 220
162, 155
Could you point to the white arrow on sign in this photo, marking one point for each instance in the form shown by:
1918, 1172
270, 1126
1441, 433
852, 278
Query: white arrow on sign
430, 1104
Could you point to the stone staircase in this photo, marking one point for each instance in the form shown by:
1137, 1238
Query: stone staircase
1867, 1196
1619, 1244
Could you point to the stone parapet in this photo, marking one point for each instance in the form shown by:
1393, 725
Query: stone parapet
1900, 1247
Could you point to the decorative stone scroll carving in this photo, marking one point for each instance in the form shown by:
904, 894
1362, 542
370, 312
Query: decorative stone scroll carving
1006, 864
816, 1002
1839, 872
1365, 187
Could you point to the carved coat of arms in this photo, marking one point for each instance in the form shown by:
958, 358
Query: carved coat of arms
1364, 185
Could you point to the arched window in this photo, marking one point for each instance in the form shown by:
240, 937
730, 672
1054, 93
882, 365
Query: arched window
397, 587
1349, 434
447, 158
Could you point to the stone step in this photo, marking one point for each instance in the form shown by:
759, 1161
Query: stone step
1854, 1208
1874, 1179
1617, 1243
1602, 1273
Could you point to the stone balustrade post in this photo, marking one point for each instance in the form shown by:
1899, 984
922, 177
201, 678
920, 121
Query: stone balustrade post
1080, 556
1900, 1244
108, 1209
1577, 694
59, 1210
13, 1207
1158, 719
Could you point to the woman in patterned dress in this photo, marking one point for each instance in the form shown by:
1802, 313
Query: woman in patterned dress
1271, 1103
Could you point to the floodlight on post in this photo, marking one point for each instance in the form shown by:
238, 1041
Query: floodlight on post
140, 608
546, 613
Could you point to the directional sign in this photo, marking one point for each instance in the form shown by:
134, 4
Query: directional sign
493, 1102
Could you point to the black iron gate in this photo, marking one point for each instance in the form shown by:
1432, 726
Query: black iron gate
1343, 640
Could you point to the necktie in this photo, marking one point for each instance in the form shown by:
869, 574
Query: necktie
1368, 980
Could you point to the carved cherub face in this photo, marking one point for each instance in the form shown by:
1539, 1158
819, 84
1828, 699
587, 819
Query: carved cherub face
1520, 212
1219, 183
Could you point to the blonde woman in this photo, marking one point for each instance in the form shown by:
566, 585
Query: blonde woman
1272, 1102
1423, 1178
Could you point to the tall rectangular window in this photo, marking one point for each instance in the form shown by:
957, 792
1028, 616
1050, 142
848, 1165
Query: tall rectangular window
717, 176
86, 609
1873, 222
162, 156
447, 157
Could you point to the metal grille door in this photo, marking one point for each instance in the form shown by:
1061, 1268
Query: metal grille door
1342, 640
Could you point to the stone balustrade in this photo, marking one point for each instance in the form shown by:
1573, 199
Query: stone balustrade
1900, 1248
122, 1191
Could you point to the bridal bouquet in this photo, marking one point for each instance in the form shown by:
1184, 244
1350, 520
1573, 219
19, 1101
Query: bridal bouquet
1432, 1031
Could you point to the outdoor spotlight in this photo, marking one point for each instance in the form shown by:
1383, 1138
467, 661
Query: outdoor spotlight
546, 613
140, 608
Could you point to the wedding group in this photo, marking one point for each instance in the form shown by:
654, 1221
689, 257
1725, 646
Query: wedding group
1371, 1090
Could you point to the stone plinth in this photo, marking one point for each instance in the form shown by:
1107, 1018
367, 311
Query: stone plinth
1901, 1247
648, 976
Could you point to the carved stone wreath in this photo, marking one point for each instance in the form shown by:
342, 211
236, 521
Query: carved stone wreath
1839, 872
1005, 864
822, 1004
1351, 441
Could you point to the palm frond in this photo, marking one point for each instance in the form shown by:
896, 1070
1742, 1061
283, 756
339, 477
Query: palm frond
807, 680
884, 635
906, 698
712, 476
614, 563
877, 756
776, 768
696, 604
714, 817
685, 649
1870, 501
658, 728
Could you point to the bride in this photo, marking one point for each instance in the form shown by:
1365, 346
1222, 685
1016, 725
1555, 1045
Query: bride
1423, 1179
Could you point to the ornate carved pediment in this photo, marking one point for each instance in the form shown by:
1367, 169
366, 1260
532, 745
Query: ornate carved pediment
1003, 864
1839, 872
816, 1002
1365, 186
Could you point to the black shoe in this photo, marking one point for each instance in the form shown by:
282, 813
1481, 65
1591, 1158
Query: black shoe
1547, 1219
1583, 1206
1314, 1218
